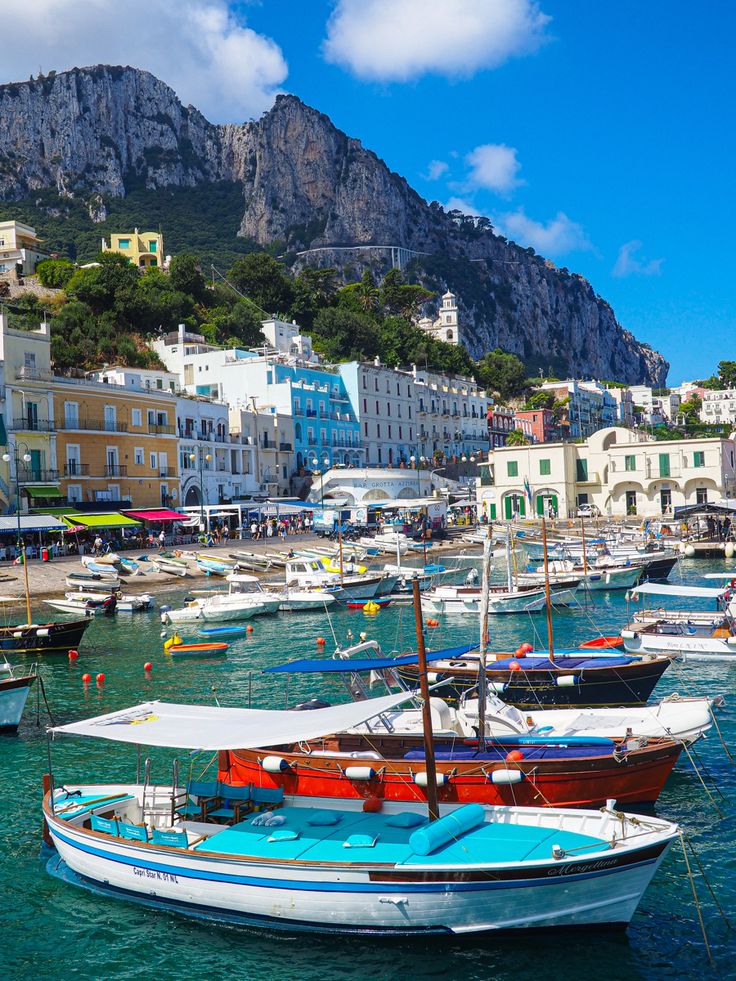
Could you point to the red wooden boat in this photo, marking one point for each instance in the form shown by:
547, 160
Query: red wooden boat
518, 771
602, 643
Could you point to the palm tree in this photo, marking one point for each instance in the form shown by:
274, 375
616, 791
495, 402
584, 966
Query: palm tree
517, 438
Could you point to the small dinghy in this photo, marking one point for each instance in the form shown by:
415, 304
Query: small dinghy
205, 649
365, 605
216, 632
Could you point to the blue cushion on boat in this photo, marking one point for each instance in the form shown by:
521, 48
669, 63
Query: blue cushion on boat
323, 818
405, 819
435, 835
283, 834
360, 841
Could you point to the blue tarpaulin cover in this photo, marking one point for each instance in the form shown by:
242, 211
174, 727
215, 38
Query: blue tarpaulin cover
329, 665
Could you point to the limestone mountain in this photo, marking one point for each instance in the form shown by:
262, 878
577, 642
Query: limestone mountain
98, 133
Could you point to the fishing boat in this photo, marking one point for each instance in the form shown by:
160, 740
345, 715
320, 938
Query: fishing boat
92, 603
295, 600
15, 687
655, 561
466, 600
296, 863
594, 578
43, 638
687, 634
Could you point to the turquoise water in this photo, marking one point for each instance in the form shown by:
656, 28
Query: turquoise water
52, 930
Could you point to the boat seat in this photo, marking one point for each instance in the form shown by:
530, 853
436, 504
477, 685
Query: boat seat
264, 798
172, 839
134, 832
105, 825
233, 801
200, 798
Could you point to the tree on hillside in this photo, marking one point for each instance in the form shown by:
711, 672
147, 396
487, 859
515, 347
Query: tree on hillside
344, 335
398, 297
540, 400
502, 372
186, 277
314, 289
363, 296
727, 373
236, 326
691, 407
107, 286
54, 273
264, 281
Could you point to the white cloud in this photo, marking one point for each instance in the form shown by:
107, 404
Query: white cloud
494, 167
199, 47
629, 264
435, 170
558, 236
396, 40
462, 204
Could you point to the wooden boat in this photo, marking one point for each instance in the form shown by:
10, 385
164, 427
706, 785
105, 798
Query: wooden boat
532, 771
204, 649
43, 638
338, 868
588, 679
14, 691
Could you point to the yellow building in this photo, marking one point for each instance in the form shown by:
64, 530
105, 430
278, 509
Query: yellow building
20, 249
143, 249
116, 444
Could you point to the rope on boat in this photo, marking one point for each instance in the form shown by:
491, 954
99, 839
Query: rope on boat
702, 782
720, 734
684, 835
695, 898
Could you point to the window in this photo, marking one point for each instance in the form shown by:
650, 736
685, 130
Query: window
123, 243
152, 246
389, 432
378, 434
137, 417
581, 467
154, 461
699, 459
701, 495
378, 411
388, 408
512, 468
400, 436
544, 468
365, 405
630, 462
365, 382
138, 456
74, 493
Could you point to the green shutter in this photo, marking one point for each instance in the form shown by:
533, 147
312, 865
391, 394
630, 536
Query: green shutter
544, 468
540, 505
522, 506
512, 468
493, 512
581, 467
507, 509
664, 464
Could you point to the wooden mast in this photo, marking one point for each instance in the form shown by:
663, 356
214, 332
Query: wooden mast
431, 767
550, 638
482, 679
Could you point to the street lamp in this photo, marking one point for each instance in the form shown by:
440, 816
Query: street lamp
315, 466
26, 458
207, 457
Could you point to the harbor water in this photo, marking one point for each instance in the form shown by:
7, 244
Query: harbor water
53, 930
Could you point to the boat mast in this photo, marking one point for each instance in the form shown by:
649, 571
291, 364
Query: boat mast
550, 638
432, 805
509, 577
585, 560
482, 680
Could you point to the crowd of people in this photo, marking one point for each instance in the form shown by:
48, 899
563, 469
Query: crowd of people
295, 524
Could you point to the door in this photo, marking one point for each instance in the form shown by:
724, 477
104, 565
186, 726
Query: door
110, 418
163, 463
32, 415
73, 460
112, 461
36, 465
71, 415
541, 505
631, 502
665, 501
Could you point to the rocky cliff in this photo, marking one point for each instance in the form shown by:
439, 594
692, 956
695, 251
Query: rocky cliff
306, 185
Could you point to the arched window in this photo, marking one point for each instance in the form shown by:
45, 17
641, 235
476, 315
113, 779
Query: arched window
449, 335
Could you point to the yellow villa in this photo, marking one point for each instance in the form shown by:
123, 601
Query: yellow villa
116, 444
143, 249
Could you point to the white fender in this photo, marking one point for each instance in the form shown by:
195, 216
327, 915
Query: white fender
360, 773
422, 780
274, 764
629, 634
566, 680
507, 776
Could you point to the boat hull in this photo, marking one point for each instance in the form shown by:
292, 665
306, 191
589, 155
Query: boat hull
602, 890
681, 646
46, 638
13, 697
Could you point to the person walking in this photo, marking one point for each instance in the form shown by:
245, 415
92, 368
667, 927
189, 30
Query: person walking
161, 539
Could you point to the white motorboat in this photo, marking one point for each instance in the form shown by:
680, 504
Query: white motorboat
245, 598
328, 865
461, 600
295, 600
92, 603
310, 574
596, 577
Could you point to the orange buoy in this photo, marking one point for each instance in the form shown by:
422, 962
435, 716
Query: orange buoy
514, 756
100, 679
514, 666
86, 678
527, 648
249, 628
147, 667
321, 642
372, 805
73, 655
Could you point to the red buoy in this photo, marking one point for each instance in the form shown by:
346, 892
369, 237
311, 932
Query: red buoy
514, 666
249, 628
147, 667
514, 756
372, 805
321, 642
73, 655
527, 648
86, 678
100, 679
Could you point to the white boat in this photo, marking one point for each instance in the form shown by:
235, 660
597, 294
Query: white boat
93, 603
687, 634
595, 578
462, 600
92, 583
245, 598
15, 686
294, 600
169, 567
331, 866
311, 574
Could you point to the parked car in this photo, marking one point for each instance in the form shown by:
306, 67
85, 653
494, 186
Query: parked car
589, 511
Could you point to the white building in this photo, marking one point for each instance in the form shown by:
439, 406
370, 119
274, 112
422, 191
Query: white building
270, 434
588, 406
20, 249
621, 472
447, 325
451, 414
287, 338
384, 402
655, 410
144, 379
719, 407
176, 347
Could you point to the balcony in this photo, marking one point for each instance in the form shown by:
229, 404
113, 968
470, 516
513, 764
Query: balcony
285, 447
25, 425
338, 398
167, 472
94, 425
311, 413
36, 475
27, 373
159, 429
74, 469
268, 444
116, 470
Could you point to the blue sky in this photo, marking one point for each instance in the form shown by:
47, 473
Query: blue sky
600, 133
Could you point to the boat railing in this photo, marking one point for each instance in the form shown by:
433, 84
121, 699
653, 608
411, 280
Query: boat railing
146, 782
174, 788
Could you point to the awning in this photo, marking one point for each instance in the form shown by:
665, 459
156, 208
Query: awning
341, 665
158, 514
209, 727
29, 523
663, 589
110, 520
724, 508
45, 491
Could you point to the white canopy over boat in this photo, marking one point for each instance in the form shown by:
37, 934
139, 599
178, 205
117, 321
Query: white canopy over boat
665, 589
208, 727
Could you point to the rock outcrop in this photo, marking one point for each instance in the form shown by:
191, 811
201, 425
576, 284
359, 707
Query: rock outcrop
97, 132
